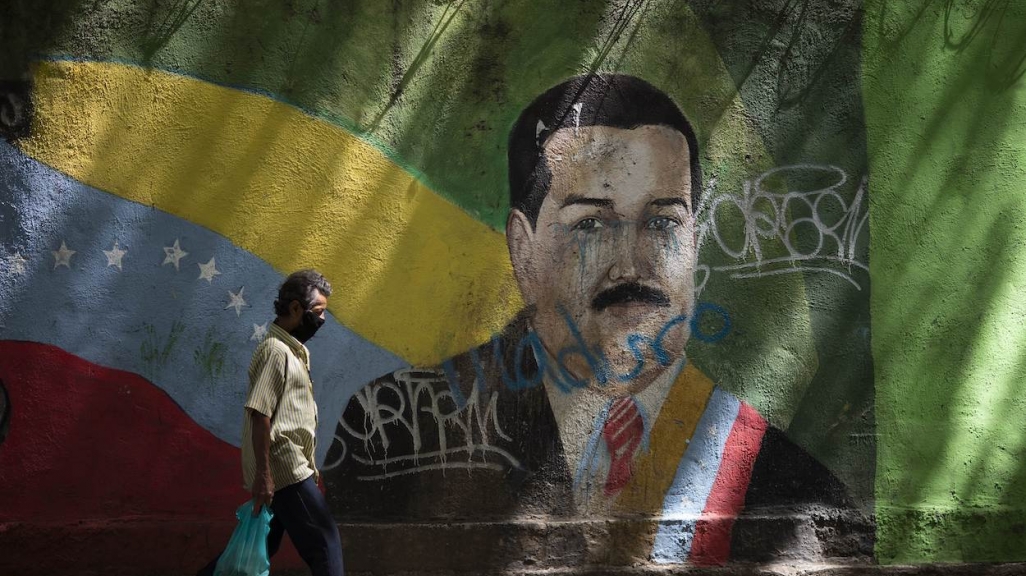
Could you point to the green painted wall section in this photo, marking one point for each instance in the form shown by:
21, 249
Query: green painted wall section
945, 114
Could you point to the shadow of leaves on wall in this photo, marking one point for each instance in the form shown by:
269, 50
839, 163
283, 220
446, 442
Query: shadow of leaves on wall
989, 22
630, 12
795, 82
422, 57
158, 36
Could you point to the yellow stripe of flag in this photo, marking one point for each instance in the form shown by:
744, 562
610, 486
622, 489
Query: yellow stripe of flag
413, 273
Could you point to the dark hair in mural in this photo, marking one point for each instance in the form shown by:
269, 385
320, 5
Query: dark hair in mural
614, 100
300, 286
15, 109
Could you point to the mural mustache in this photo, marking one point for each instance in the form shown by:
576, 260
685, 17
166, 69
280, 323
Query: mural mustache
629, 293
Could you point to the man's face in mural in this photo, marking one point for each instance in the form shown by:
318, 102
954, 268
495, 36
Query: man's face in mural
612, 254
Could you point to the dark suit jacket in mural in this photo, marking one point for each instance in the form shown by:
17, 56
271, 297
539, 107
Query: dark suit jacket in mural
476, 440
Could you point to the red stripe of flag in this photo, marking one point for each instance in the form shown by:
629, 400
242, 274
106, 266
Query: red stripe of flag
711, 545
89, 442
101, 471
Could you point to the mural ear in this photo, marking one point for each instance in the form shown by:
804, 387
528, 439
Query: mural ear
519, 240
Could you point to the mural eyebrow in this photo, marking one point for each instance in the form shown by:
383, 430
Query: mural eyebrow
669, 202
578, 199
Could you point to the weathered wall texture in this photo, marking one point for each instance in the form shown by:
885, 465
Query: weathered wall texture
553, 342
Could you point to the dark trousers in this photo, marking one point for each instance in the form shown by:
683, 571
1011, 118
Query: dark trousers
302, 511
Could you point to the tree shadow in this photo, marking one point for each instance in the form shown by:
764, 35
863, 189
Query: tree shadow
159, 34
444, 21
951, 466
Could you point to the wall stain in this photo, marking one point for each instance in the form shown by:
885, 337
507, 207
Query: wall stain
156, 348
210, 356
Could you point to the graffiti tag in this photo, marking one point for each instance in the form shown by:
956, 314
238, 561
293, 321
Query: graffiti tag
819, 230
460, 437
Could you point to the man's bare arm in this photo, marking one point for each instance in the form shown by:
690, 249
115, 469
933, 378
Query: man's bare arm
263, 485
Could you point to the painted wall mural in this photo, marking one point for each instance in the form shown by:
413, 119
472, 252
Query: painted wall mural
585, 405
604, 277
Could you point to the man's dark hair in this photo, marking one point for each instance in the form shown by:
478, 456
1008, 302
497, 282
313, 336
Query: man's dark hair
300, 286
614, 100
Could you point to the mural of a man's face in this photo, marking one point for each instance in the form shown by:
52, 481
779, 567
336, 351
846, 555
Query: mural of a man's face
612, 254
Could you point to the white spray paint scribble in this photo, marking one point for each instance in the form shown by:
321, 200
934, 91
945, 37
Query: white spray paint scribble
769, 220
577, 116
464, 435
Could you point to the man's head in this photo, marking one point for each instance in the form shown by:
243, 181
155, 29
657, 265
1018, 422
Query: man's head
301, 304
604, 178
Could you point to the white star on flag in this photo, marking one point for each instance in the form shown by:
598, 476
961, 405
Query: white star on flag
62, 257
174, 253
114, 255
236, 301
208, 271
17, 264
259, 331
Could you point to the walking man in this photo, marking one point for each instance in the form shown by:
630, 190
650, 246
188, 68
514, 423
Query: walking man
279, 431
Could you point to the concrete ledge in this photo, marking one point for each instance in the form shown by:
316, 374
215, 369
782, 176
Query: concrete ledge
741, 570
123, 547
178, 547
538, 545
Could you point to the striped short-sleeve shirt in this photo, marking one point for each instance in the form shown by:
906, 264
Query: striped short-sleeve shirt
280, 388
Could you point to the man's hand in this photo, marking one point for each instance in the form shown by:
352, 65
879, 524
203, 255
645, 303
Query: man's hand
263, 492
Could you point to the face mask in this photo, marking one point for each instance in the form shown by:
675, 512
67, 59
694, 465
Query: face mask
308, 326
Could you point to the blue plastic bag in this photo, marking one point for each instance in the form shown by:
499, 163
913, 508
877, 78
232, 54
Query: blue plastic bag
246, 554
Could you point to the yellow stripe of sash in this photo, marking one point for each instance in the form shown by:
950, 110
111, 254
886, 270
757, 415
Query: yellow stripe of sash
639, 505
654, 469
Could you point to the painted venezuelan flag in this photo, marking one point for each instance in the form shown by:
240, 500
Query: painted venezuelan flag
133, 288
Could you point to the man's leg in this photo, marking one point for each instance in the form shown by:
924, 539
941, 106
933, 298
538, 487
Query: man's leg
303, 511
275, 535
208, 570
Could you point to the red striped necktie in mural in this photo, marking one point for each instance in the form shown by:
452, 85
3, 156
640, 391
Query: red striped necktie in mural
622, 432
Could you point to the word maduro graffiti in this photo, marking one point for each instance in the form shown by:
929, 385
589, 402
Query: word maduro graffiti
793, 231
415, 420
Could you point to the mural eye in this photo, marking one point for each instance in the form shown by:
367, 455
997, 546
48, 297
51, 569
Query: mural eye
661, 223
588, 224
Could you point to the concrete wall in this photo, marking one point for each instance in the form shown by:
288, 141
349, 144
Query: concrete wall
807, 391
